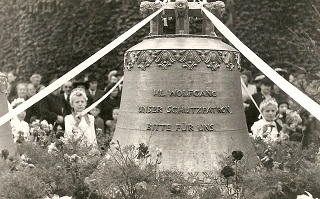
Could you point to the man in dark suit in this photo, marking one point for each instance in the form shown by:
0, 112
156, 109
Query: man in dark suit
65, 96
52, 108
93, 93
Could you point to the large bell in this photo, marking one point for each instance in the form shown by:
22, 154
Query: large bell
182, 94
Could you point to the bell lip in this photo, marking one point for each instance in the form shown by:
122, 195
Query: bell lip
182, 42
182, 35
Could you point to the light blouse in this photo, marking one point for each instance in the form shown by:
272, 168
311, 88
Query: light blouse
85, 128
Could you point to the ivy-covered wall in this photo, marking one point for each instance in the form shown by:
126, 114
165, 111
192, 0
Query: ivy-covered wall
52, 36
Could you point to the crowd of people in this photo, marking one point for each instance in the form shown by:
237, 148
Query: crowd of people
62, 108
271, 114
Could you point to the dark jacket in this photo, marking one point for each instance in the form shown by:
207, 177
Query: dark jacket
66, 104
106, 108
92, 99
33, 112
50, 107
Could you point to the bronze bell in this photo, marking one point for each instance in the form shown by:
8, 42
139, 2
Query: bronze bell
182, 94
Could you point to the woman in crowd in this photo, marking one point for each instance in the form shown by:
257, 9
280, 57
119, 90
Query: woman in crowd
35, 79
12, 84
110, 102
33, 112
22, 91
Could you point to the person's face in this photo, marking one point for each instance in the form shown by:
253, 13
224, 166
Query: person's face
21, 115
93, 85
79, 103
22, 91
265, 89
66, 88
115, 114
31, 90
11, 77
245, 79
36, 81
114, 93
283, 108
113, 79
95, 112
269, 112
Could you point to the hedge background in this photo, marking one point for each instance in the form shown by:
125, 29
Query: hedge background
52, 36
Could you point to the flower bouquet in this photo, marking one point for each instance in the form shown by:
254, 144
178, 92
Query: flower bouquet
292, 126
41, 132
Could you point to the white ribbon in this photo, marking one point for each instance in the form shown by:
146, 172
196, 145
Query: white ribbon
78, 69
307, 103
247, 91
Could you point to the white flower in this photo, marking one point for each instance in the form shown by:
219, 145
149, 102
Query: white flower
55, 196
52, 147
107, 156
116, 146
23, 157
309, 196
141, 185
17, 101
159, 152
37, 121
31, 165
50, 127
44, 123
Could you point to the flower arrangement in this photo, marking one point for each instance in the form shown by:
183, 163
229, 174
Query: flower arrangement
41, 131
81, 171
292, 127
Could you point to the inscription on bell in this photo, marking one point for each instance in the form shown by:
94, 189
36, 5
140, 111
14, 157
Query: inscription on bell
181, 127
184, 110
150, 109
184, 93
192, 93
159, 93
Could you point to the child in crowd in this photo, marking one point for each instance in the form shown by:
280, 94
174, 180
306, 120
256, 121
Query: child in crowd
78, 125
111, 124
266, 128
283, 107
20, 128
98, 122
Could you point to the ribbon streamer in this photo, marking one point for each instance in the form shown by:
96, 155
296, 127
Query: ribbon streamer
307, 103
247, 91
102, 98
75, 71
